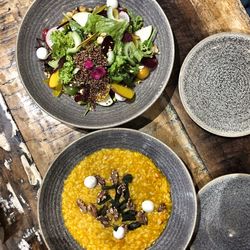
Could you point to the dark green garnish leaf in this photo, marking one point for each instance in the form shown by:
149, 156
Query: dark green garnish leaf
134, 225
127, 178
126, 194
129, 215
108, 187
122, 206
102, 211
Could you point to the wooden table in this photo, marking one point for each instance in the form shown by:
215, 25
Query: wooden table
30, 139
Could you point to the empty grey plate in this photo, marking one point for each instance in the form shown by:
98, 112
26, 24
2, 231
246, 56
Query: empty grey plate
181, 224
224, 222
47, 13
214, 84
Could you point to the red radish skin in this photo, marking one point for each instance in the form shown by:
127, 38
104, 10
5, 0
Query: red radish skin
44, 33
48, 37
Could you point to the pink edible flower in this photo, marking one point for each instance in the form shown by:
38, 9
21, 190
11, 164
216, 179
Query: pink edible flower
88, 64
98, 73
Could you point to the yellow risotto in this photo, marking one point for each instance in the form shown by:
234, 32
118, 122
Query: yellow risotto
148, 184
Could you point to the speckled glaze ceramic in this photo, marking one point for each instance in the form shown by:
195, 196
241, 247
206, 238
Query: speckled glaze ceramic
224, 220
183, 217
214, 84
48, 13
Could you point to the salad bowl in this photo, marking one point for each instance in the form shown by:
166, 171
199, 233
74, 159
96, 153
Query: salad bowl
48, 14
180, 226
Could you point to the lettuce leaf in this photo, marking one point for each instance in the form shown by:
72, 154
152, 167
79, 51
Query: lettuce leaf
136, 22
100, 24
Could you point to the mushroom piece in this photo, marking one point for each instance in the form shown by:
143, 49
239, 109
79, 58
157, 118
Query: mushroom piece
102, 197
142, 218
104, 220
162, 207
83, 207
92, 210
115, 177
114, 212
100, 180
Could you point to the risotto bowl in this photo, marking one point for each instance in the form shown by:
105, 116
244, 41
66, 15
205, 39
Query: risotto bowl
156, 170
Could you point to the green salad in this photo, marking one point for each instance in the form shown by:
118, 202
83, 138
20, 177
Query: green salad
98, 55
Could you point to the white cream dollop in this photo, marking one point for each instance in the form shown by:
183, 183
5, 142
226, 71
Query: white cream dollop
119, 233
112, 3
147, 206
90, 181
42, 53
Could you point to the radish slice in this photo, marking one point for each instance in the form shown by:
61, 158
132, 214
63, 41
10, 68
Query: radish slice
124, 16
48, 37
144, 33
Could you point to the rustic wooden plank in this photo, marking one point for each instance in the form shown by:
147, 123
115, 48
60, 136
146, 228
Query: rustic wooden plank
19, 184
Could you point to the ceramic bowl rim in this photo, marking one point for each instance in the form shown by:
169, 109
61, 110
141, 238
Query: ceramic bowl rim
185, 63
220, 179
133, 131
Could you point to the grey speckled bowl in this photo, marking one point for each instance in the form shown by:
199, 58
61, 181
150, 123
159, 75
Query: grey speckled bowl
48, 13
182, 221
214, 84
224, 222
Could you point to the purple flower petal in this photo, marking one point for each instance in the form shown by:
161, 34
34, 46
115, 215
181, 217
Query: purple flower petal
98, 73
88, 64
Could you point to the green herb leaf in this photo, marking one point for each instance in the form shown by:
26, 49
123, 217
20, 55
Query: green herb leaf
61, 42
136, 22
66, 72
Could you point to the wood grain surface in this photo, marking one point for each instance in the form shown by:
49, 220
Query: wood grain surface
30, 139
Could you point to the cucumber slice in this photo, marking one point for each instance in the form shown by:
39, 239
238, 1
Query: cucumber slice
53, 63
77, 40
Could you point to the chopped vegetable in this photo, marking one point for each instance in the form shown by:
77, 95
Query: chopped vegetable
144, 33
69, 90
123, 91
77, 41
54, 80
81, 18
143, 73
112, 3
